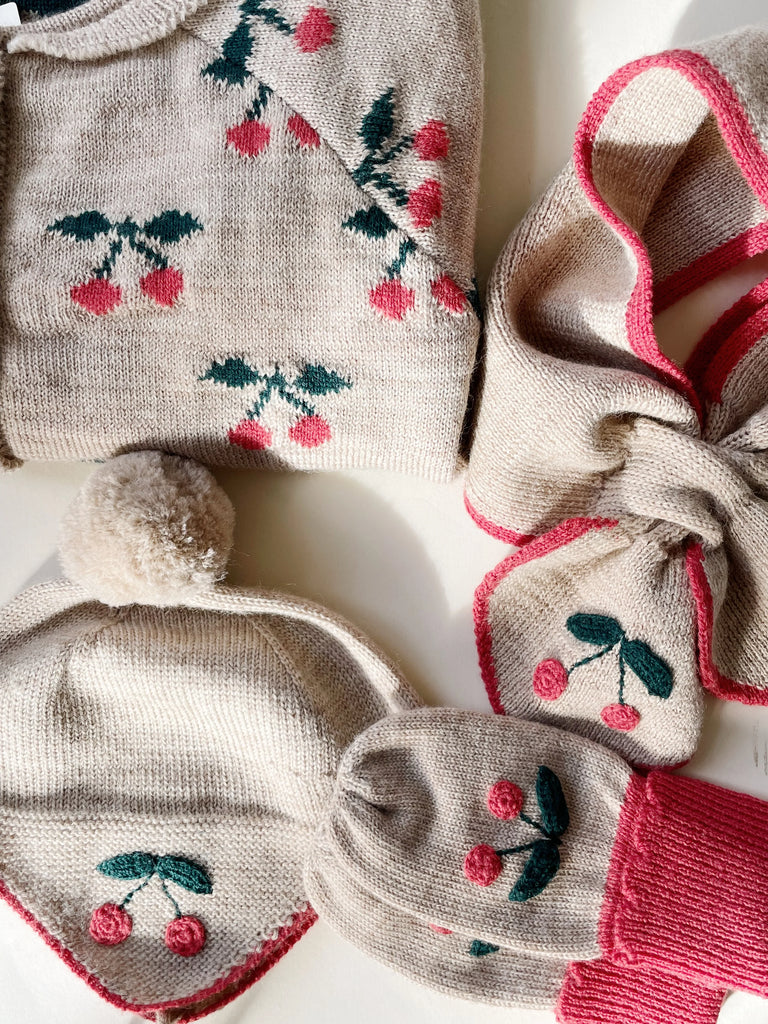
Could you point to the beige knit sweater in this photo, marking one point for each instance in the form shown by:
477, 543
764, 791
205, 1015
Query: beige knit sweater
240, 231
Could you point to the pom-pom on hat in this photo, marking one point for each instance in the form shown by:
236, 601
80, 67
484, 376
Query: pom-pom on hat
162, 769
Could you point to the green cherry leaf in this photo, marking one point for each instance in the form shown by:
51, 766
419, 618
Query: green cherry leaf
128, 865
377, 125
554, 809
235, 373
171, 226
373, 223
541, 867
84, 227
480, 948
316, 380
186, 873
651, 670
595, 629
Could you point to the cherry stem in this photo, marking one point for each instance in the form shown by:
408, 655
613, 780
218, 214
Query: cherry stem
133, 892
176, 906
277, 382
535, 824
516, 849
592, 657
621, 679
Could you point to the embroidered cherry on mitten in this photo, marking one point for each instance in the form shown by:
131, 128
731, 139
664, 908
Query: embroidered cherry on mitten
539, 841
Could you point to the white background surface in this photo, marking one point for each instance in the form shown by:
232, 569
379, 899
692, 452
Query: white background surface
399, 556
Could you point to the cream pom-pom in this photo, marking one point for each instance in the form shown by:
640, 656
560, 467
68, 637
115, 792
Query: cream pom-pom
147, 528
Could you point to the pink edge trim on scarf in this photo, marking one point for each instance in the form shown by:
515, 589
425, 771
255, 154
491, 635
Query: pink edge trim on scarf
260, 961
752, 242
499, 532
711, 677
727, 341
567, 531
740, 138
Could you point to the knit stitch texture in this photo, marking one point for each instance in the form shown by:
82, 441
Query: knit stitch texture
241, 231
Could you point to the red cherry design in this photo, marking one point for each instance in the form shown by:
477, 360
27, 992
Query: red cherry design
249, 137
550, 679
620, 716
425, 203
250, 434
392, 298
185, 935
110, 924
505, 800
449, 295
314, 31
303, 132
482, 865
164, 286
440, 931
98, 295
310, 431
431, 142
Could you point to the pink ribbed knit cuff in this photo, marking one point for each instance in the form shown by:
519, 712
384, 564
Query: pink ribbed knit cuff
687, 889
601, 991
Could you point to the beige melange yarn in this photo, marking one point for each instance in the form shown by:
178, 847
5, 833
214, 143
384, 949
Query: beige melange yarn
196, 257
589, 438
409, 806
210, 731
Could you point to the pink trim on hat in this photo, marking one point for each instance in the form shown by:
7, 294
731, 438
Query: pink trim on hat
740, 138
752, 242
499, 532
243, 976
686, 889
711, 677
727, 342
567, 531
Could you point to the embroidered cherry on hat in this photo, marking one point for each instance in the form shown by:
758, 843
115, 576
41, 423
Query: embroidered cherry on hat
110, 924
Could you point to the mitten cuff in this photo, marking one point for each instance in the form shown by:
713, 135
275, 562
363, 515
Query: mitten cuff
598, 990
688, 883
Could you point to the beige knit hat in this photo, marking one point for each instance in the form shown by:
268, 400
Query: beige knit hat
241, 231
636, 488
162, 769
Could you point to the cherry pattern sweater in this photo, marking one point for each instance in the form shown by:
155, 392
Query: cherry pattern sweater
240, 232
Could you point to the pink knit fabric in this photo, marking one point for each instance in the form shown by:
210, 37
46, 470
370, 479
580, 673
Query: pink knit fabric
600, 991
687, 889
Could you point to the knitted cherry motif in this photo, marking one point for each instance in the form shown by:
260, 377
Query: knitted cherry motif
111, 923
164, 286
309, 430
484, 864
424, 203
251, 435
98, 295
551, 677
448, 294
251, 136
314, 31
162, 283
431, 142
303, 132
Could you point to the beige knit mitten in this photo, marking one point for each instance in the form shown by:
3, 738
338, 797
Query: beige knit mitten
476, 855
163, 769
636, 488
